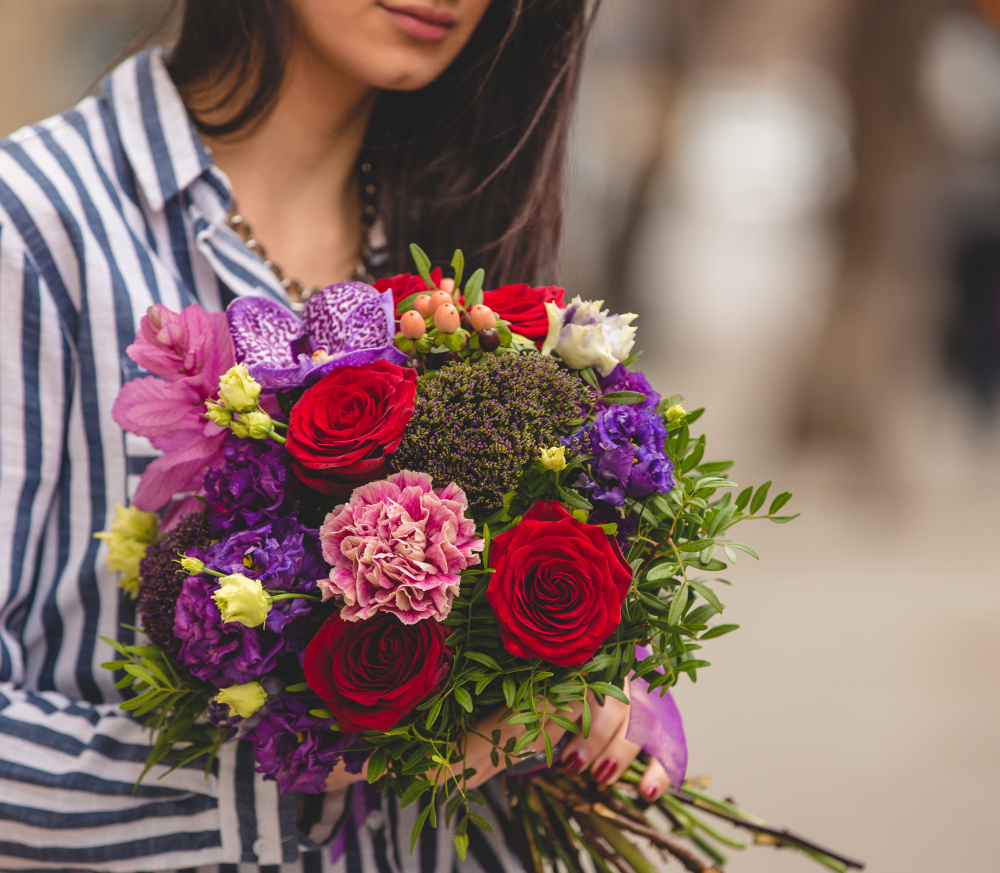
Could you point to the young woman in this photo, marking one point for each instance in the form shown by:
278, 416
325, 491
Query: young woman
344, 129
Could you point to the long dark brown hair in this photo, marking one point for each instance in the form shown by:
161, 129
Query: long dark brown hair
475, 160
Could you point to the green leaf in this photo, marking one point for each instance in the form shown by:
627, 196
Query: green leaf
523, 718
480, 822
474, 288
784, 519
295, 689
625, 398
718, 631
695, 545
611, 528
598, 663
573, 499
563, 722
759, 497
548, 749
665, 570
678, 604
779, 501
434, 713
458, 265
509, 689
461, 845
418, 825
486, 660
376, 764
742, 548
744, 498
610, 690
653, 604
585, 720
588, 376
423, 263
707, 593
464, 699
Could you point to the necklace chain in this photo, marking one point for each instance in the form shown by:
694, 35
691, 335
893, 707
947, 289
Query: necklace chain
297, 292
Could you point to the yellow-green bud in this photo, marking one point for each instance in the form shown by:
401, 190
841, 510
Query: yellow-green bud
674, 414
218, 414
257, 423
243, 700
554, 458
192, 566
242, 600
131, 531
238, 390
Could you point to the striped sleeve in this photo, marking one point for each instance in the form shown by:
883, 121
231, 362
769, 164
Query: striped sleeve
68, 767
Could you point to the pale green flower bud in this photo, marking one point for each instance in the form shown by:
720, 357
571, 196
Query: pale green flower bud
242, 600
258, 424
243, 700
554, 458
238, 390
239, 428
131, 531
218, 414
674, 414
192, 566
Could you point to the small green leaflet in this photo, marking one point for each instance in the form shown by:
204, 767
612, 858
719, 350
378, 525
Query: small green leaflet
458, 265
423, 263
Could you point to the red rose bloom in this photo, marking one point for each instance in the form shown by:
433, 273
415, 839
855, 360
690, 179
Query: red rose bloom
406, 284
558, 587
524, 307
373, 673
343, 427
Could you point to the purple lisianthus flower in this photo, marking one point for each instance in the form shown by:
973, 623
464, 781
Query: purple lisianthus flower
626, 444
298, 750
228, 653
344, 325
254, 486
283, 555
621, 379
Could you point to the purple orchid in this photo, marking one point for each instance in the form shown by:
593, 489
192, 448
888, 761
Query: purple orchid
344, 325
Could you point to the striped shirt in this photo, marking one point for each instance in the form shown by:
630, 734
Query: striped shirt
105, 210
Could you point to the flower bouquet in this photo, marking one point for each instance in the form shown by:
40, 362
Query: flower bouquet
415, 506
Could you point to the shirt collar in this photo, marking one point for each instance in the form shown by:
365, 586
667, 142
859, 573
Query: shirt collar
156, 131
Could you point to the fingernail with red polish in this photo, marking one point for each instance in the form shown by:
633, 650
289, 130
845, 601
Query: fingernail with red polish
652, 791
573, 764
607, 768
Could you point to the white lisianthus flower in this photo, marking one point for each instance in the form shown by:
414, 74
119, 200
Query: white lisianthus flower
243, 700
242, 600
584, 335
238, 390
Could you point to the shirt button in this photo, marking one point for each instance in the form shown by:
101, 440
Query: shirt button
261, 847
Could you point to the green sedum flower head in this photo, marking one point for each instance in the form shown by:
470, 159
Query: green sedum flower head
479, 424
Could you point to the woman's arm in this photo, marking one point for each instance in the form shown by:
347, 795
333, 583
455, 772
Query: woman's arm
68, 767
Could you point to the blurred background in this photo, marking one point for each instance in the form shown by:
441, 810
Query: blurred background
801, 198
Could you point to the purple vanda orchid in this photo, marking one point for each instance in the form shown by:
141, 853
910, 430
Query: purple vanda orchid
351, 324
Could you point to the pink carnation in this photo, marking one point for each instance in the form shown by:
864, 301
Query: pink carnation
399, 546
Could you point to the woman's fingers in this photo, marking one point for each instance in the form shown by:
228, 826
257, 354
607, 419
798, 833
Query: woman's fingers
654, 781
615, 757
606, 723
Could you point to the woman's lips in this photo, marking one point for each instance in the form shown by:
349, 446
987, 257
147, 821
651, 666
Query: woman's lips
422, 22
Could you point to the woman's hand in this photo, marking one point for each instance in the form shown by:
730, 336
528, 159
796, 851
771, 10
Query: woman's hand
605, 752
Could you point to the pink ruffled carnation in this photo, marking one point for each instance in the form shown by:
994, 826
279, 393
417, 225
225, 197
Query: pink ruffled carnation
399, 546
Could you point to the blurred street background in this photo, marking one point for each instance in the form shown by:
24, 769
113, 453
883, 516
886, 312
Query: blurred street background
801, 199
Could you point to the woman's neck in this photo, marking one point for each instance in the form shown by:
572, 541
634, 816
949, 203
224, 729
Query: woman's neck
294, 176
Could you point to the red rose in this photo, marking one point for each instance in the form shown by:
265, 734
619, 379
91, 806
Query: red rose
406, 284
558, 587
524, 307
343, 427
373, 673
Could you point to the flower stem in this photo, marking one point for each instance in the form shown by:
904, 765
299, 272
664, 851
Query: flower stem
278, 438
289, 595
